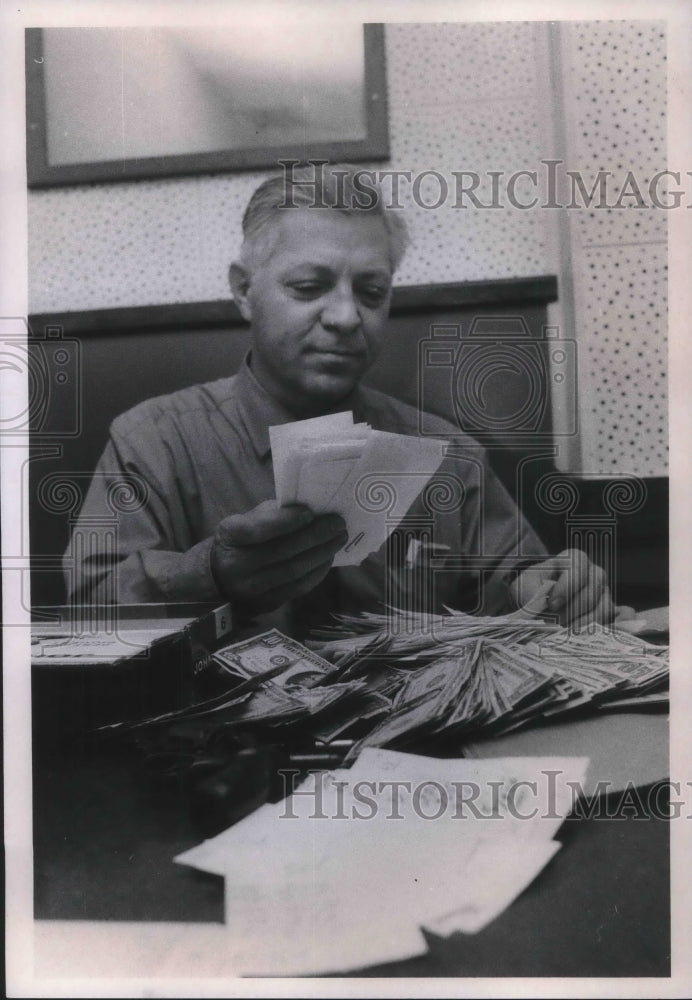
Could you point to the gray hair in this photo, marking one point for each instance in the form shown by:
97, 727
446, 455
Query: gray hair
337, 186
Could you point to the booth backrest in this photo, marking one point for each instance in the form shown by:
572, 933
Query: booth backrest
128, 355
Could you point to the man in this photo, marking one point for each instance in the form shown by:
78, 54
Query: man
314, 282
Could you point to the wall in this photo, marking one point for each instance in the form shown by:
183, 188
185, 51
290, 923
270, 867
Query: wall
613, 79
453, 105
472, 97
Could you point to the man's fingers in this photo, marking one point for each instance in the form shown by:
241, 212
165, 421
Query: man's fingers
274, 598
572, 566
624, 613
269, 552
580, 602
292, 570
264, 523
327, 529
580, 593
592, 603
601, 613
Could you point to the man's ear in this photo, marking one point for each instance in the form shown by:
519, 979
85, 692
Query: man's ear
239, 280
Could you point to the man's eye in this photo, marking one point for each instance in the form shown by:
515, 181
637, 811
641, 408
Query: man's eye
306, 289
373, 294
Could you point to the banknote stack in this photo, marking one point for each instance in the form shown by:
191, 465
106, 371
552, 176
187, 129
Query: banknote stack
272, 680
467, 674
390, 680
370, 477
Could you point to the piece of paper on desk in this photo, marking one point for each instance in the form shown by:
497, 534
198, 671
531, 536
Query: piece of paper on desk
655, 621
515, 796
490, 795
65, 649
346, 871
495, 879
321, 463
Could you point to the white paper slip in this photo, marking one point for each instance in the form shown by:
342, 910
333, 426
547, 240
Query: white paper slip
308, 929
322, 473
497, 874
501, 797
656, 620
392, 471
286, 438
73, 650
370, 477
272, 841
347, 870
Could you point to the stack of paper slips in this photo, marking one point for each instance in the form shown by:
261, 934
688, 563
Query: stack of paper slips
370, 477
348, 870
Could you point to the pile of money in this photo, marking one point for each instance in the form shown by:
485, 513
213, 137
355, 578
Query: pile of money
388, 680
370, 477
467, 674
273, 680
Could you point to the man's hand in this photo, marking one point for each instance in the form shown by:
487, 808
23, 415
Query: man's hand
579, 593
273, 554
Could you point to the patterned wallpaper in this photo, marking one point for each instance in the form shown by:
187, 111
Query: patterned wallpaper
615, 96
465, 97
462, 97
453, 105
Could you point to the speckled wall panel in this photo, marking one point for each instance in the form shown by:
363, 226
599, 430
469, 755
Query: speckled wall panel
143, 243
461, 97
615, 94
622, 366
464, 97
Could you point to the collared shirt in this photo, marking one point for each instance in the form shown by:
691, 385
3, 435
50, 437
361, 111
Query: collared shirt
176, 465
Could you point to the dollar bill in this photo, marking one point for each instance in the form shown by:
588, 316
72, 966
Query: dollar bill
446, 674
295, 664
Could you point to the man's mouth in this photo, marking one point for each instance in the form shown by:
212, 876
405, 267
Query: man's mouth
337, 362
335, 354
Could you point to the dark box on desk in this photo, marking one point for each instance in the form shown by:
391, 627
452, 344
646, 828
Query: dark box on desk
95, 665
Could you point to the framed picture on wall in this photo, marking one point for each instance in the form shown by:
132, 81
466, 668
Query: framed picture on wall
111, 104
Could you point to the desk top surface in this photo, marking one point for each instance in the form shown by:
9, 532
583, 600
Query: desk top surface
105, 835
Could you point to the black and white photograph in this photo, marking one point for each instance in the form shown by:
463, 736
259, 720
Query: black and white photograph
344, 424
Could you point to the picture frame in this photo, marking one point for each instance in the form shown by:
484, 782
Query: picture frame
76, 132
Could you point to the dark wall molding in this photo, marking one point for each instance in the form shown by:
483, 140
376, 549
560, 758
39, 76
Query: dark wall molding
224, 313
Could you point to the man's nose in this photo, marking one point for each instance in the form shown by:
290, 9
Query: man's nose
341, 311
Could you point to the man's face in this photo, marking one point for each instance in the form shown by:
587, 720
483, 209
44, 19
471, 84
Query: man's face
317, 304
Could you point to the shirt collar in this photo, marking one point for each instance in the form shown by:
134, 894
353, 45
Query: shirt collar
260, 411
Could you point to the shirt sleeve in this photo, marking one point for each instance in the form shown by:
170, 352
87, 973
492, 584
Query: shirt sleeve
126, 544
503, 537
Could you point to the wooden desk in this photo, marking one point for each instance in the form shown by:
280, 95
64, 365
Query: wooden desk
104, 837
